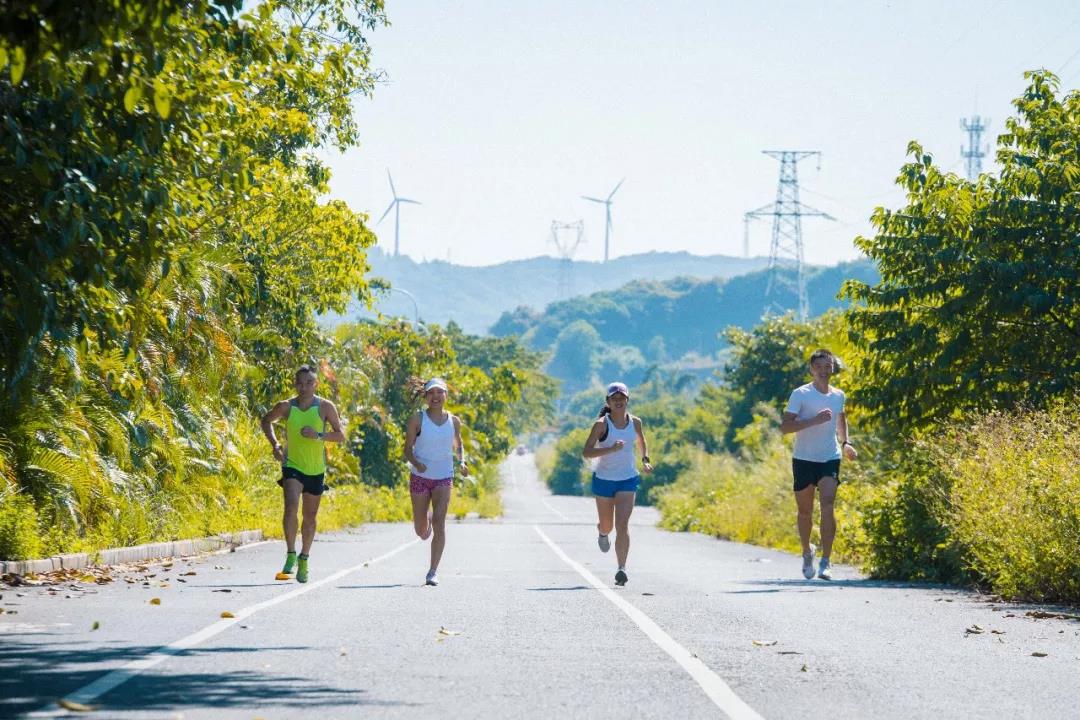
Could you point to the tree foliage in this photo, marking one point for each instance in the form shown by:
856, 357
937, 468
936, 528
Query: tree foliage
978, 306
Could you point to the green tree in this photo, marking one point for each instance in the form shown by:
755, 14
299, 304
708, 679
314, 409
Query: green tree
575, 355
978, 305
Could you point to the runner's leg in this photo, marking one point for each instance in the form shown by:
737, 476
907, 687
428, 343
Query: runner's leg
804, 500
605, 510
291, 489
624, 506
827, 487
440, 502
307, 529
421, 521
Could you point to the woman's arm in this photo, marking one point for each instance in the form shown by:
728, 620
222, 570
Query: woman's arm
412, 429
591, 451
645, 461
459, 446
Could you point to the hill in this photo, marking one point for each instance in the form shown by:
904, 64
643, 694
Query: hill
475, 297
644, 323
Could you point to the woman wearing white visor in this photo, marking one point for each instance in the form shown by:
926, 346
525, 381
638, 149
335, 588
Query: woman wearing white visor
432, 438
615, 477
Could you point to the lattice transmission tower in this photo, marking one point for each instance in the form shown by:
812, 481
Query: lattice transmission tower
975, 151
786, 272
567, 237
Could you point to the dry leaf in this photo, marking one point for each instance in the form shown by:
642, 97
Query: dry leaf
765, 643
803, 668
163, 584
449, 633
227, 614
789, 652
222, 590
155, 601
1038, 654
189, 572
76, 706
96, 625
974, 630
998, 632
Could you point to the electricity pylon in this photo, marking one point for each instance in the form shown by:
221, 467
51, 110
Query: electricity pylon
786, 251
567, 247
975, 151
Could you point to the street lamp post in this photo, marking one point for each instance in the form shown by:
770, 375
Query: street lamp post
416, 307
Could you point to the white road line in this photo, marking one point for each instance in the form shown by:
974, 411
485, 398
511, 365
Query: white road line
713, 685
124, 673
551, 507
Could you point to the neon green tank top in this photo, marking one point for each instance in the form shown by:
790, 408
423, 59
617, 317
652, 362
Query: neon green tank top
301, 453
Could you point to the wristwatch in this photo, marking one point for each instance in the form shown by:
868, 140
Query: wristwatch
645, 459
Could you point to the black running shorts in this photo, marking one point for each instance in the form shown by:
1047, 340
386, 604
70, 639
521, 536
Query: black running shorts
313, 484
808, 473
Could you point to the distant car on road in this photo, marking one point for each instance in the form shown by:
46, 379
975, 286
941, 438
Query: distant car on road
521, 449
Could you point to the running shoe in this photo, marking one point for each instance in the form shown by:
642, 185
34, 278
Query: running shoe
432, 578
290, 564
825, 569
302, 569
620, 577
808, 564
604, 542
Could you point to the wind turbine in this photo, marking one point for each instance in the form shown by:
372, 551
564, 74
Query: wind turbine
607, 213
395, 205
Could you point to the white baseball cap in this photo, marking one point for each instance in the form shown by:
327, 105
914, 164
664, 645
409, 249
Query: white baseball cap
618, 387
436, 383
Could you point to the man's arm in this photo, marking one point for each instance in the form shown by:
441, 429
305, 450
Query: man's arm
842, 435
331, 418
279, 412
790, 422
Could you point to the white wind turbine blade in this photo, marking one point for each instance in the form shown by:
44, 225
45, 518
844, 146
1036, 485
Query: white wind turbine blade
612, 194
388, 209
407, 200
392, 190
596, 200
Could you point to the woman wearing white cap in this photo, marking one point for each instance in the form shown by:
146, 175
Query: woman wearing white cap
431, 439
615, 478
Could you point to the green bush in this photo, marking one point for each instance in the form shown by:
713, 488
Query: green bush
19, 533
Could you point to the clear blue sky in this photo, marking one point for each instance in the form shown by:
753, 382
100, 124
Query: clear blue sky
499, 115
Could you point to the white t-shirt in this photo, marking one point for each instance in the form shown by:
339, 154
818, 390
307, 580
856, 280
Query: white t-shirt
817, 443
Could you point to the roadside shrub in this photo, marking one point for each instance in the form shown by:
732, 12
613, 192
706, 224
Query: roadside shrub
19, 534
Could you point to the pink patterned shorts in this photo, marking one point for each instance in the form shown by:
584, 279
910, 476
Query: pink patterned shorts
423, 486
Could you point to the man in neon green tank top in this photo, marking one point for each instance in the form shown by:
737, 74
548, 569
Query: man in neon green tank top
303, 461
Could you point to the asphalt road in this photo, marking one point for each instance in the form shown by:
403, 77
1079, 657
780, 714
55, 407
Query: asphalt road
527, 623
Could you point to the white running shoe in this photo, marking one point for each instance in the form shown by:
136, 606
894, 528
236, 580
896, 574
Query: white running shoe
808, 564
604, 542
825, 569
432, 578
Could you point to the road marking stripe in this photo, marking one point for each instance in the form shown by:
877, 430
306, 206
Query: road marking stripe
551, 507
713, 685
124, 673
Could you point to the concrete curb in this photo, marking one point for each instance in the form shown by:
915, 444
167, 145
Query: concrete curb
138, 553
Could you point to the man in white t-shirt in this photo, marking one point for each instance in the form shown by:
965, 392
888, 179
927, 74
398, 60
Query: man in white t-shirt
815, 413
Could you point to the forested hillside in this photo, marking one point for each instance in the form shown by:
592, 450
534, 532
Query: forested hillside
475, 297
621, 333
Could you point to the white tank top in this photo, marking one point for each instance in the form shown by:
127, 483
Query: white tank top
619, 465
434, 448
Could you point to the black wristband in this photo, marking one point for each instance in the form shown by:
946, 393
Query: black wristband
846, 442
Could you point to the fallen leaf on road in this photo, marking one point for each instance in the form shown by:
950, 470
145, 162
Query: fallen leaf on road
789, 652
974, 630
344, 652
803, 668
163, 584
765, 643
1038, 654
449, 633
649, 594
87, 578
76, 706
190, 572
222, 590
155, 601
997, 632
96, 625
283, 576
227, 614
